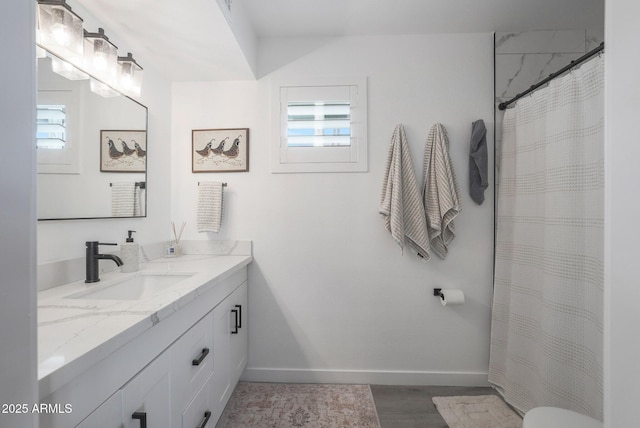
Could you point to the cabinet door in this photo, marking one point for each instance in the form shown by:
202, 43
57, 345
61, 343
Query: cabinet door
229, 345
147, 397
239, 336
108, 415
221, 387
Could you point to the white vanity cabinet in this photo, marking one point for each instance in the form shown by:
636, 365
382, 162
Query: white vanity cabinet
179, 373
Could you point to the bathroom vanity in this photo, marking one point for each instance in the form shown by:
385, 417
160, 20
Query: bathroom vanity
161, 347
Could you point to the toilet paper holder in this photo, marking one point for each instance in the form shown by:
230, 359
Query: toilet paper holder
449, 296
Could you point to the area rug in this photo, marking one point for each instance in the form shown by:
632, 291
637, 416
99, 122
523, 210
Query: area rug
481, 411
282, 405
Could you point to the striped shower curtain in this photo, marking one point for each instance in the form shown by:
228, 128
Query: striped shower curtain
547, 315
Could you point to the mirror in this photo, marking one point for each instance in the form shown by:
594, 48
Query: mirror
91, 150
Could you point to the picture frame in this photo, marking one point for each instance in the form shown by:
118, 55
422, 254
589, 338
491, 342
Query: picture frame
123, 151
220, 150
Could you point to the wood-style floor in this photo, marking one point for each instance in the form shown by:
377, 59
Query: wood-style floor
411, 406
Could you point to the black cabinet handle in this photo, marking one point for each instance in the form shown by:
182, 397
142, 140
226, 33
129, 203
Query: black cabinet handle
142, 416
239, 315
235, 326
203, 354
207, 415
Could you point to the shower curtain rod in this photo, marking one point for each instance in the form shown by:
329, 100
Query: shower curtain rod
572, 64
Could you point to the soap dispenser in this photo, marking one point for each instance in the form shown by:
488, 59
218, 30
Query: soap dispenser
129, 254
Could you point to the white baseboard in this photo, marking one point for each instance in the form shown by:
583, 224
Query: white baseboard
253, 374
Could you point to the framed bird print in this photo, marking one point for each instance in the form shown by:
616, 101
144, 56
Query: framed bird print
220, 150
123, 151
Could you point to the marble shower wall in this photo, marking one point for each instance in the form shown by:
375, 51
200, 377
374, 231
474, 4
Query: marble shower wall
525, 58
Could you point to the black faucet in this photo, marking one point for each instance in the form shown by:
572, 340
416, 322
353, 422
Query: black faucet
93, 271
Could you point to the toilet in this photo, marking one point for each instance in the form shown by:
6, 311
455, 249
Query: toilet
553, 417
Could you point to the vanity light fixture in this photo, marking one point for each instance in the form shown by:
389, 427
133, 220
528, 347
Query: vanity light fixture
60, 29
78, 54
102, 89
129, 75
100, 56
68, 70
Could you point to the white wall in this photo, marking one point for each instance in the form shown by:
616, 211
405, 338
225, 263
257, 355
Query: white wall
331, 296
622, 210
17, 212
61, 240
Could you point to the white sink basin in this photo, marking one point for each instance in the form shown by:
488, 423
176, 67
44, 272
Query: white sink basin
140, 286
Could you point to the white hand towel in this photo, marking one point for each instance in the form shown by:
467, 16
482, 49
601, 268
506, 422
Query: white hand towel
138, 209
123, 199
441, 194
401, 204
210, 197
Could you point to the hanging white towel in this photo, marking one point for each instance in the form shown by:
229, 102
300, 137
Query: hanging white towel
123, 199
401, 204
210, 198
139, 207
441, 194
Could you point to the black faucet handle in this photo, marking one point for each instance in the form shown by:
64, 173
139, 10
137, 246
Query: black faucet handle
96, 243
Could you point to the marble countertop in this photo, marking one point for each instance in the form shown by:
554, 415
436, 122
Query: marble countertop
75, 333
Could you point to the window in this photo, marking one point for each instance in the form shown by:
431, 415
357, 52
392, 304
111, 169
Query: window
320, 126
57, 130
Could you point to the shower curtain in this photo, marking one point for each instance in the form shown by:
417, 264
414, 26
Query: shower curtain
547, 314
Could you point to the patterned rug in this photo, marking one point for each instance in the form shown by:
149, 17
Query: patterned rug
481, 411
285, 405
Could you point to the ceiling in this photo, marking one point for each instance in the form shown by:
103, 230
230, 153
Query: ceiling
191, 40
372, 17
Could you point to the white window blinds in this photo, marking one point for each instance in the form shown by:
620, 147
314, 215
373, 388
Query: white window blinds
319, 124
51, 129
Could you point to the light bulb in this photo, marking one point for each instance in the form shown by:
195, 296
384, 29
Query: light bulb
126, 78
59, 30
99, 55
99, 61
60, 35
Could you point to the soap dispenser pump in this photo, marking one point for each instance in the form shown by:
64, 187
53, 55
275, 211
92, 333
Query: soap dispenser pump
129, 254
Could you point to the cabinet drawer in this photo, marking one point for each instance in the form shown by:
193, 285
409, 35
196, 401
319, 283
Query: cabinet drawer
108, 415
146, 399
191, 361
200, 412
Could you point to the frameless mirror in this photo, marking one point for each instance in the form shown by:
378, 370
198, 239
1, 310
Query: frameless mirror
91, 150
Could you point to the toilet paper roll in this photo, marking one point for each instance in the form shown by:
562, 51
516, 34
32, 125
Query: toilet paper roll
452, 297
